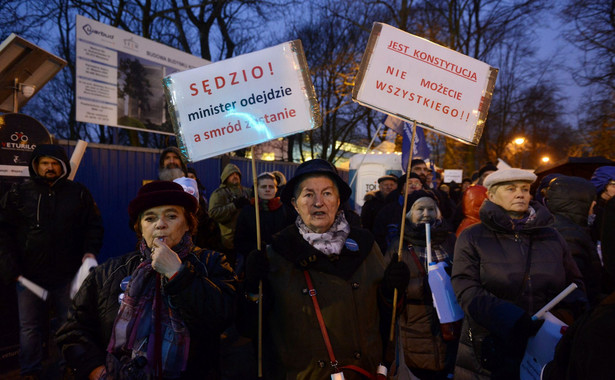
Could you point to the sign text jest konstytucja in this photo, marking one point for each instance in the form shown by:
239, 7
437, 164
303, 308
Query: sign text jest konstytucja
433, 60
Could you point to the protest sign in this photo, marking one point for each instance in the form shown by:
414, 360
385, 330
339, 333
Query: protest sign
417, 80
119, 77
451, 175
242, 101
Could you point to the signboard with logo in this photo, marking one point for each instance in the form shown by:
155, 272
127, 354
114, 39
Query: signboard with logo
119, 77
242, 101
19, 136
417, 80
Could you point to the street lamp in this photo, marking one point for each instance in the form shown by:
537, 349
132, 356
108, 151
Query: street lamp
519, 141
518, 150
545, 159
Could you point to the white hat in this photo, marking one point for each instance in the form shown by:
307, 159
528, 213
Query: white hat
508, 175
189, 186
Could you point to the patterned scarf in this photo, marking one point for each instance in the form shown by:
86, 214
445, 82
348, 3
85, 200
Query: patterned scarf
134, 330
519, 224
330, 242
415, 234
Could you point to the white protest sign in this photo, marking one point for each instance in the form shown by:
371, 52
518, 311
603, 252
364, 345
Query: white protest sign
451, 175
242, 101
119, 77
417, 80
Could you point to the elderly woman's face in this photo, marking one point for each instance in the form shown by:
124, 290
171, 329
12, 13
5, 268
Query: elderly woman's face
514, 197
166, 223
424, 210
317, 202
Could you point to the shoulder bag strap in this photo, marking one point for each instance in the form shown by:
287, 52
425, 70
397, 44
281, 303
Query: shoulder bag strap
321, 321
417, 261
325, 334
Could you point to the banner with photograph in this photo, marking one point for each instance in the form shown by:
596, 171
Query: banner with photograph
242, 101
119, 77
417, 80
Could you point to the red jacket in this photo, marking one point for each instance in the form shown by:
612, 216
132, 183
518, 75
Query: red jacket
472, 199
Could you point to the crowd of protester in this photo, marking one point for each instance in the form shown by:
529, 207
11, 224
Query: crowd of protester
326, 281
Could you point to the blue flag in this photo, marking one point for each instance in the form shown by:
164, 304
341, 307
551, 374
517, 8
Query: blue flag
395, 124
421, 149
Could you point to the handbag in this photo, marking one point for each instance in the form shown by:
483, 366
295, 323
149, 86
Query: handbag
338, 371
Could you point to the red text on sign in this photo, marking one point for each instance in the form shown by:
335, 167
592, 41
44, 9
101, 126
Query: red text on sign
393, 45
440, 88
396, 72
231, 79
242, 125
422, 100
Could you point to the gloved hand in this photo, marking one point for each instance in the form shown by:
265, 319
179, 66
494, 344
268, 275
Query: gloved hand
396, 276
241, 202
257, 269
524, 328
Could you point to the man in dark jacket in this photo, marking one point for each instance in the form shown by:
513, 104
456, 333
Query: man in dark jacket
387, 221
375, 200
569, 200
48, 226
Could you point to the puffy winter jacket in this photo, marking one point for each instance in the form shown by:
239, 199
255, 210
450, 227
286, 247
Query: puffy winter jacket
472, 199
202, 293
569, 200
418, 321
488, 272
45, 229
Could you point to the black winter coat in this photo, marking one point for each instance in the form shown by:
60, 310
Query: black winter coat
586, 349
608, 246
202, 293
45, 230
387, 221
488, 272
374, 202
271, 222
